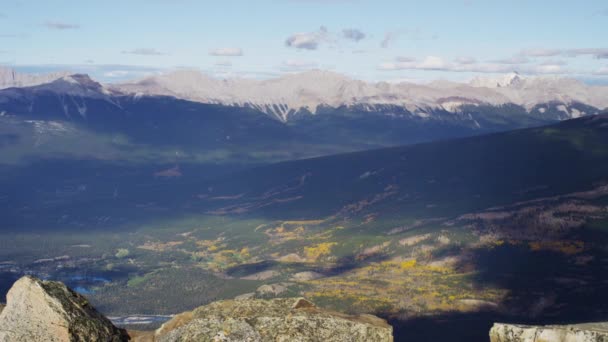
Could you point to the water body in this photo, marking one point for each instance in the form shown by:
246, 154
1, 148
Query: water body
140, 319
89, 279
83, 290
85, 284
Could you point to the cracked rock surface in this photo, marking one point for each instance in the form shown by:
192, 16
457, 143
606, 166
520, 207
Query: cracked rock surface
38, 310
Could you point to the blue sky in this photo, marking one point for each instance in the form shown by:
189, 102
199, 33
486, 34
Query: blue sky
371, 40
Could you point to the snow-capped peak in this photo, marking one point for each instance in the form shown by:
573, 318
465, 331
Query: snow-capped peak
77, 85
507, 80
283, 96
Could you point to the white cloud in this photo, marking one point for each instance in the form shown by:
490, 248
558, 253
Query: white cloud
405, 59
298, 65
553, 62
411, 34
439, 64
308, 40
517, 59
596, 52
223, 63
465, 60
227, 52
144, 52
14, 35
57, 25
602, 71
116, 73
433, 63
548, 69
599, 53
389, 38
353, 34
541, 52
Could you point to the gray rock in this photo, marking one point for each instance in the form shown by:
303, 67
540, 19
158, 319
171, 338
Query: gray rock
245, 296
48, 311
271, 290
590, 332
306, 276
276, 320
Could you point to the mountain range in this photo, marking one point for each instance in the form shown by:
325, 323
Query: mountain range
186, 115
309, 91
312, 91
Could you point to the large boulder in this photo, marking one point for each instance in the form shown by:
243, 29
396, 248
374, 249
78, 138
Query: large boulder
589, 332
48, 311
276, 320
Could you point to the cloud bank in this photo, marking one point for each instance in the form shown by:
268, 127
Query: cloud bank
308, 40
58, 25
227, 52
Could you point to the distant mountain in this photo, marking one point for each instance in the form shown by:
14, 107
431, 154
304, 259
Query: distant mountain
11, 78
309, 91
78, 117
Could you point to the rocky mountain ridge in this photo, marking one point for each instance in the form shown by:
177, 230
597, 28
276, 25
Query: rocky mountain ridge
285, 97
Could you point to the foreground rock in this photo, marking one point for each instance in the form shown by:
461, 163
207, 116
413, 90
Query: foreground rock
39, 310
589, 332
285, 319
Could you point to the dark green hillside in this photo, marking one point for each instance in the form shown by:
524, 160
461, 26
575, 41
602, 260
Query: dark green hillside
427, 180
442, 178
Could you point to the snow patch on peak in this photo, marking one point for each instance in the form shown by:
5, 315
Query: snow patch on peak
507, 80
310, 90
76, 85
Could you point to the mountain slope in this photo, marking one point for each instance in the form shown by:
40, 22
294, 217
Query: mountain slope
448, 177
442, 178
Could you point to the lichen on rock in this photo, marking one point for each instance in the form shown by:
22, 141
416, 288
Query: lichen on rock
284, 319
591, 332
39, 310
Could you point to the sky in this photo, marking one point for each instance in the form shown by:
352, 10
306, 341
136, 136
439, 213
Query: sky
381, 40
